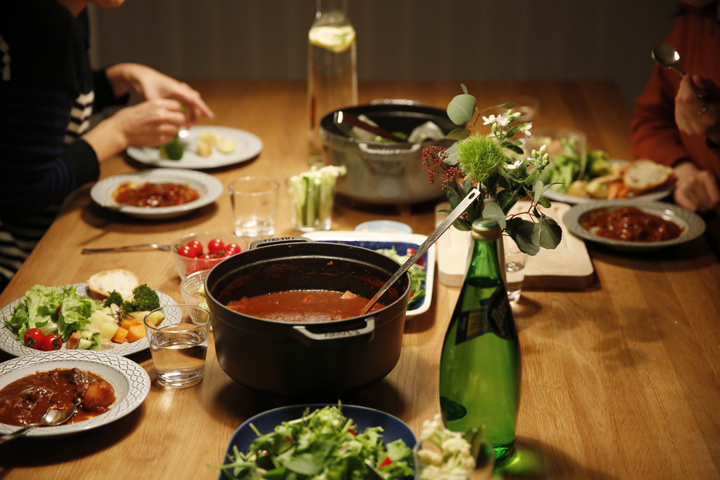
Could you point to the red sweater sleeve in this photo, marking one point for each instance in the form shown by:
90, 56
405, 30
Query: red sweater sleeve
653, 132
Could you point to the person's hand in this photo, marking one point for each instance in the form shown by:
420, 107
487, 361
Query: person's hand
148, 124
696, 116
696, 190
151, 84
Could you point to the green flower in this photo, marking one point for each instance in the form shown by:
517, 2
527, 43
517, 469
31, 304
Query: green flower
480, 157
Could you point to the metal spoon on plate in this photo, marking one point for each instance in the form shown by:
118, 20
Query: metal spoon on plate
457, 211
51, 417
666, 56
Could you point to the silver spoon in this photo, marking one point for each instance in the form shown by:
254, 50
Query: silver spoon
165, 248
457, 211
51, 417
666, 56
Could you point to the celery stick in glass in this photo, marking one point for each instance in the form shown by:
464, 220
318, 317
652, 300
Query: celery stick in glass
312, 194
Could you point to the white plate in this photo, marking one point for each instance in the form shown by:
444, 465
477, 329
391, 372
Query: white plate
209, 188
129, 380
647, 197
378, 240
693, 223
247, 146
11, 345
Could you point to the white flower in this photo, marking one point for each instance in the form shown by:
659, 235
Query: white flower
527, 129
489, 120
515, 165
504, 119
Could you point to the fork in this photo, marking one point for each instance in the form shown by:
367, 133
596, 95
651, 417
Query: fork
165, 248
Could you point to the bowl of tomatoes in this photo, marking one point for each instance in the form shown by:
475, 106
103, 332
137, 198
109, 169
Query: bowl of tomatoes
196, 252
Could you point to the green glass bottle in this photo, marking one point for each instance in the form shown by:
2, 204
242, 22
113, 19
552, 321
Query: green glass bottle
480, 364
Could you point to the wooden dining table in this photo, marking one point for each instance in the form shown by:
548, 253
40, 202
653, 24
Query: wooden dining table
620, 380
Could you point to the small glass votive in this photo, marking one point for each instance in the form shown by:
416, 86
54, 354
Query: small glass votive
254, 204
427, 469
179, 349
190, 286
515, 260
312, 203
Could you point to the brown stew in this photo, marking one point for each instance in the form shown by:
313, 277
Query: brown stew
154, 194
632, 225
303, 306
27, 399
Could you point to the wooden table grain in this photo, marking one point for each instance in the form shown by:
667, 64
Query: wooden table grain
621, 380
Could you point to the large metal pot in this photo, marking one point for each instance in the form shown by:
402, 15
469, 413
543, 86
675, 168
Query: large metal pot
306, 360
385, 173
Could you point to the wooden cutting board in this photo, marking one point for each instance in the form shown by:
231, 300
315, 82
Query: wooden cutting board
568, 266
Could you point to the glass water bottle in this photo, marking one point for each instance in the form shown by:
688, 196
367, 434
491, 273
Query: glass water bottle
480, 364
332, 70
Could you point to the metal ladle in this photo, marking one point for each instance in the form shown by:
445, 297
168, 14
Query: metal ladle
457, 211
51, 417
666, 56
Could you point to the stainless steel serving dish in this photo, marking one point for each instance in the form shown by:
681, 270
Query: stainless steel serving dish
385, 173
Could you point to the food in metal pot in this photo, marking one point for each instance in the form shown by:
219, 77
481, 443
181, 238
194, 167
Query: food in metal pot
303, 306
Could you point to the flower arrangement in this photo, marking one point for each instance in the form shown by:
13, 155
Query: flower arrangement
497, 164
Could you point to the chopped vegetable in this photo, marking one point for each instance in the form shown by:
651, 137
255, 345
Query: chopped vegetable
321, 445
417, 274
39, 308
312, 194
565, 167
172, 150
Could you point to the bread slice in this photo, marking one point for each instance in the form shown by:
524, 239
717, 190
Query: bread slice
644, 175
103, 283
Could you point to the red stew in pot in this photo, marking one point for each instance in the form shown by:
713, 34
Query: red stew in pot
303, 306
632, 225
27, 399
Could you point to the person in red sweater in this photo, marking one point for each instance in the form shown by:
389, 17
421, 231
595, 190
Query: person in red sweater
678, 125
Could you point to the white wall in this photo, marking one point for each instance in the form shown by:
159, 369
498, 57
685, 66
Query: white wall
397, 39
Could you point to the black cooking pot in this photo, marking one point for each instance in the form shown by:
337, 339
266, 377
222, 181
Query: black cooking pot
313, 359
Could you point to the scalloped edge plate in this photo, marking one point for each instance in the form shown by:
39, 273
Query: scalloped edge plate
693, 223
11, 345
209, 187
130, 381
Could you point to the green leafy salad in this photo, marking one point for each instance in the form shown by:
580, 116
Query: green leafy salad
417, 274
51, 310
321, 445
565, 166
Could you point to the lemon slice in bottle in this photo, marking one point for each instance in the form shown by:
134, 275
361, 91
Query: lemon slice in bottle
335, 39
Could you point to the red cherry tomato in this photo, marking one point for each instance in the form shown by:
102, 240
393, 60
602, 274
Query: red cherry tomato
197, 246
206, 256
216, 245
186, 251
51, 342
33, 337
232, 249
410, 251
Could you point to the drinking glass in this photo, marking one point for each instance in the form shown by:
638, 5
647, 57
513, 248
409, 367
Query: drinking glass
254, 204
178, 350
515, 260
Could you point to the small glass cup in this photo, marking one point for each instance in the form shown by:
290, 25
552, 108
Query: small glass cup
179, 349
189, 288
484, 464
254, 204
515, 260
312, 208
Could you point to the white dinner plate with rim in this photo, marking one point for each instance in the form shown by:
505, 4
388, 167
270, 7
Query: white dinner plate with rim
11, 345
209, 188
693, 224
129, 380
247, 146
652, 196
378, 240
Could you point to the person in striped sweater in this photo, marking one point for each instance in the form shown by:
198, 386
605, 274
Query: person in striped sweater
48, 92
